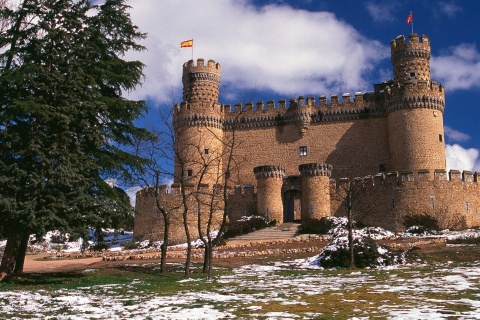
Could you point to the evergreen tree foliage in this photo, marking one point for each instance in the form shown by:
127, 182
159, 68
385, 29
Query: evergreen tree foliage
63, 118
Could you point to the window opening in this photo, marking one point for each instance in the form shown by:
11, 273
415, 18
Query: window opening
303, 150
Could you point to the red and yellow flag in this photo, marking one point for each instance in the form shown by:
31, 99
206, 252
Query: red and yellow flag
410, 18
186, 44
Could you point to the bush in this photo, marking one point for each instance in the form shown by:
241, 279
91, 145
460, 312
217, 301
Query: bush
130, 245
420, 223
246, 224
469, 239
367, 253
317, 226
326, 225
100, 246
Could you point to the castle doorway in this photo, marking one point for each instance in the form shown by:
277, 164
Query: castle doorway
292, 205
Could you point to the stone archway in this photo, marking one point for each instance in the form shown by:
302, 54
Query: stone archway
292, 205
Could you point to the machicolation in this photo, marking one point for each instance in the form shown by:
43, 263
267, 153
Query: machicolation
290, 157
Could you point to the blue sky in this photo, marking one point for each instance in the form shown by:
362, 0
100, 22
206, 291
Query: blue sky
283, 49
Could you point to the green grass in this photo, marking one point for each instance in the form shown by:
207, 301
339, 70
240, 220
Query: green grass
310, 294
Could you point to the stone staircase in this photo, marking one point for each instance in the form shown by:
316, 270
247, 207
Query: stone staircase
283, 231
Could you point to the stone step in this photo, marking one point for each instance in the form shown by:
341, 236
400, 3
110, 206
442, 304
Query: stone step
282, 231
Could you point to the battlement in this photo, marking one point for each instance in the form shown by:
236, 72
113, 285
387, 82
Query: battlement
415, 43
211, 67
420, 176
358, 101
417, 94
315, 169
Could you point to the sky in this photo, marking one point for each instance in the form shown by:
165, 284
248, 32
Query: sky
280, 49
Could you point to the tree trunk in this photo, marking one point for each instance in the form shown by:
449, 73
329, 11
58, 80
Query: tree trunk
22, 250
10, 254
163, 254
210, 260
206, 258
188, 258
351, 261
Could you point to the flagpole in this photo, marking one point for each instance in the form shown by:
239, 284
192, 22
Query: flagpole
192, 48
412, 20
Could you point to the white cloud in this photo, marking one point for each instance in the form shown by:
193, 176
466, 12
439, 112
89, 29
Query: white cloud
276, 47
459, 158
381, 12
449, 8
458, 68
456, 136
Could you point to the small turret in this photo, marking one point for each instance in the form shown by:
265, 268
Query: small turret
201, 82
411, 61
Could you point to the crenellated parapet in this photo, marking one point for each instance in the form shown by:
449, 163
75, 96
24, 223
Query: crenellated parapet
426, 95
270, 171
303, 112
201, 81
411, 61
397, 178
315, 169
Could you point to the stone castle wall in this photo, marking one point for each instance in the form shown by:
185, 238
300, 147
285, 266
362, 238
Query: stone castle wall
385, 200
149, 222
398, 127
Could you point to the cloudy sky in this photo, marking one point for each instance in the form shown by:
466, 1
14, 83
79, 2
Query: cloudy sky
280, 49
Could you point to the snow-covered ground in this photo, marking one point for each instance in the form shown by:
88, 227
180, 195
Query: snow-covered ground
441, 292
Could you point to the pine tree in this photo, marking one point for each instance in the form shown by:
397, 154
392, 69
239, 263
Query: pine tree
63, 118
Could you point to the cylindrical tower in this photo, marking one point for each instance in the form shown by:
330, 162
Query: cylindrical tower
198, 124
269, 191
415, 107
315, 190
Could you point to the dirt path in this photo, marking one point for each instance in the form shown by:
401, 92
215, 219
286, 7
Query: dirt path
37, 263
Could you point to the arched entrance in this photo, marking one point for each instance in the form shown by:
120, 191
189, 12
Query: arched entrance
292, 205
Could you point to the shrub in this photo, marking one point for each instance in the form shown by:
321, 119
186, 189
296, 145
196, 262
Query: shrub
420, 223
246, 224
130, 245
469, 239
317, 226
324, 225
367, 253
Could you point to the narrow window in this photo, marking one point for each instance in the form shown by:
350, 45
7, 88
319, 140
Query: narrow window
205, 152
382, 168
412, 74
303, 150
433, 202
189, 173
393, 203
467, 206
440, 138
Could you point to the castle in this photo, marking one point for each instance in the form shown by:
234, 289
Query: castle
286, 161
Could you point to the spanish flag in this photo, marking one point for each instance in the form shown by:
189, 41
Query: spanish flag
186, 44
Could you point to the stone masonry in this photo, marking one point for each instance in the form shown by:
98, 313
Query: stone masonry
292, 156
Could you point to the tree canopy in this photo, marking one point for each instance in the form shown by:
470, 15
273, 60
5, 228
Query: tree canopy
63, 118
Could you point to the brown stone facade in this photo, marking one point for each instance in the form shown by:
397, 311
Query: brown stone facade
289, 156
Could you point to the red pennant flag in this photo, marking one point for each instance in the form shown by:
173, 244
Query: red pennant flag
410, 18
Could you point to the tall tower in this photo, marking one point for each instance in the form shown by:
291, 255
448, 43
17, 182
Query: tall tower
415, 107
198, 125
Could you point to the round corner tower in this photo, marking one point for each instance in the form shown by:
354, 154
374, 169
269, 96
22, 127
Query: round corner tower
415, 107
198, 125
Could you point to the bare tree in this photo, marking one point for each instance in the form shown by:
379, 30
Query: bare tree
156, 149
350, 192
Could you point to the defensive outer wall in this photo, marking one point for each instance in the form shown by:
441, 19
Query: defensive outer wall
290, 158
